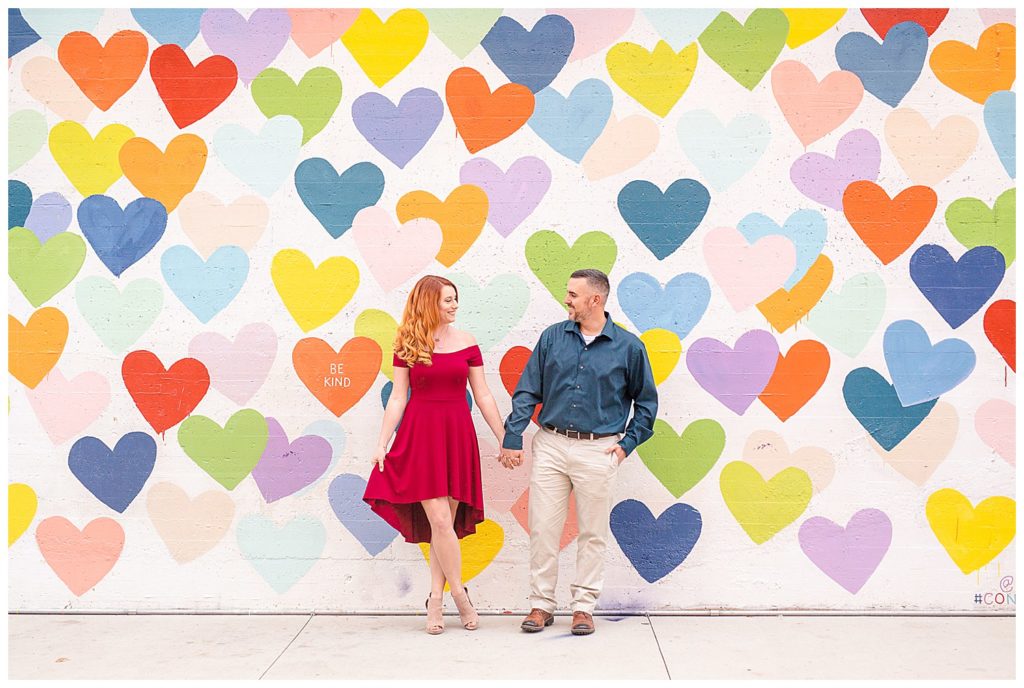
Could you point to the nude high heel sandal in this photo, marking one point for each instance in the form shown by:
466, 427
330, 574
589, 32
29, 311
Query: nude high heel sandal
467, 615
435, 620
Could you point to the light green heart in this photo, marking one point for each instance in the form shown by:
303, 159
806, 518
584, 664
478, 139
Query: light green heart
461, 30
312, 101
552, 260
680, 462
490, 312
846, 320
26, 134
746, 51
284, 555
381, 328
119, 318
42, 270
973, 223
763, 508
230, 453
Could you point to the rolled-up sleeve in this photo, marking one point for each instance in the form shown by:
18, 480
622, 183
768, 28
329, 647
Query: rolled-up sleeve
641, 388
528, 393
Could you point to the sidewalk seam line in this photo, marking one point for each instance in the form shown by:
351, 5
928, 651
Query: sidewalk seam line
281, 654
658, 643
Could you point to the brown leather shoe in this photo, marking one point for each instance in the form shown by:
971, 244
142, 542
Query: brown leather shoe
537, 620
582, 623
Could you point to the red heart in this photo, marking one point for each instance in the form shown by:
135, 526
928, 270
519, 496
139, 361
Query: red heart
164, 397
511, 369
191, 93
1001, 329
882, 20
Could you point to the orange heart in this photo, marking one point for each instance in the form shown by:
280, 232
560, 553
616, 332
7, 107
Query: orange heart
80, 558
483, 118
888, 226
104, 72
521, 510
461, 216
35, 348
798, 376
164, 176
337, 379
785, 307
978, 73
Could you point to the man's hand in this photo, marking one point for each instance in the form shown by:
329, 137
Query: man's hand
510, 458
620, 453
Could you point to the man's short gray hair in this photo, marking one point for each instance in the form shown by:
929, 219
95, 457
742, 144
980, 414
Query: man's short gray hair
597, 280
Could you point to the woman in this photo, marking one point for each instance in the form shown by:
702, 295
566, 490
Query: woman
428, 486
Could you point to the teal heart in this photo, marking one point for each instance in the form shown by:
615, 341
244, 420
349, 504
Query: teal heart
311, 102
26, 134
118, 317
552, 260
264, 160
206, 288
491, 312
746, 51
681, 461
847, 320
41, 271
283, 555
52, 24
461, 30
723, 154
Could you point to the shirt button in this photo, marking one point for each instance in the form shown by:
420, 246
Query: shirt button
570, 425
581, 367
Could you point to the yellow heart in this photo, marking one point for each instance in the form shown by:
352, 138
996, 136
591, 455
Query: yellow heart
91, 165
21, 509
478, 550
663, 348
381, 328
784, 308
972, 536
383, 49
763, 508
656, 79
806, 24
313, 295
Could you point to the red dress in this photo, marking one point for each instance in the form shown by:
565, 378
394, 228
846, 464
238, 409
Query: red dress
435, 452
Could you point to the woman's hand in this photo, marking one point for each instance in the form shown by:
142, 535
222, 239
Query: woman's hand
378, 458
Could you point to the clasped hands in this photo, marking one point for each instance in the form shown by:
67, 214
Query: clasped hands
510, 458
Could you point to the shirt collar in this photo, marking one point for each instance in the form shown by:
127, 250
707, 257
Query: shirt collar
607, 331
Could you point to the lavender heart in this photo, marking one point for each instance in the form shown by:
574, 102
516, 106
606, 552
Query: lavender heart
285, 468
734, 376
511, 195
847, 555
398, 132
50, 215
823, 179
253, 43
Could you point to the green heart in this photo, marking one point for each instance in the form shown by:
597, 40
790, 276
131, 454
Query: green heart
380, 327
281, 555
552, 260
461, 30
973, 223
119, 318
746, 51
763, 508
491, 312
26, 134
847, 320
230, 453
42, 270
312, 102
680, 462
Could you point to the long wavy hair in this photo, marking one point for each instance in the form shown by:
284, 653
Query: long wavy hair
414, 341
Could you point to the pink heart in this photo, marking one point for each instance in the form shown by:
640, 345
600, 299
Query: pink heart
239, 368
748, 273
994, 422
595, 29
814, 109
620, 146
211, 224
47, 81
504, 485
521, 511
395, 253
62, 420
997, 16
314, 30
80, 558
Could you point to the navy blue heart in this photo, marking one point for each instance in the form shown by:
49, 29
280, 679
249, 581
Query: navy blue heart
663, 221
19, 203
121, 237
890, 69
957, 288
876, 406
655, 546
114, 477
19, 34
531, 58
334, 199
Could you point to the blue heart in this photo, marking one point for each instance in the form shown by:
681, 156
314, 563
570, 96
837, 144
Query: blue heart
876, 406
663, 221
678, 308
400, 131
921, 372
655, 546
807, 229
957, 288
114, 477
180, 26
335, 199
205, 288
53, 24
531, 58
346, 497
889, 69
19, 34
571, 125
19, 203
723, 153
385, 394
121, 237
1000, 122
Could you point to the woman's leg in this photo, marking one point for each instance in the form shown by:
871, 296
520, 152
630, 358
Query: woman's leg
437, 579
444, 545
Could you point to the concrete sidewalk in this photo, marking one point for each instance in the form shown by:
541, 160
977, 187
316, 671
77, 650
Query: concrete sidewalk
51, 646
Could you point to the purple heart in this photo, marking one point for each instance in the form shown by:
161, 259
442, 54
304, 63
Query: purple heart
512, 195
823, 179
398, 132
847, 555
253, 43
50, 215
346, 497
734, 376
285, 468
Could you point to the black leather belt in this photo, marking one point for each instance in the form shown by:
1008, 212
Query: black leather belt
577, 435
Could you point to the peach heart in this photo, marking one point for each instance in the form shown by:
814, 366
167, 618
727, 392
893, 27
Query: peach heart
768, 453
620, 146
812, 108
46, 81
210, 224
80, 558
917, 457
929, 154
189, 527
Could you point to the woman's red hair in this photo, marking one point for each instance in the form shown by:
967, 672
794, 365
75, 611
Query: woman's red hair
414, 341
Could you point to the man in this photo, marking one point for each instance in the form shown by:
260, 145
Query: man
587, 372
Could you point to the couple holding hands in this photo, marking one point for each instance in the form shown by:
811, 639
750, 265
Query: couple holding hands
588, 373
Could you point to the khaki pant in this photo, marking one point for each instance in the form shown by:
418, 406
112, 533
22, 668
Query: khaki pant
561, 464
